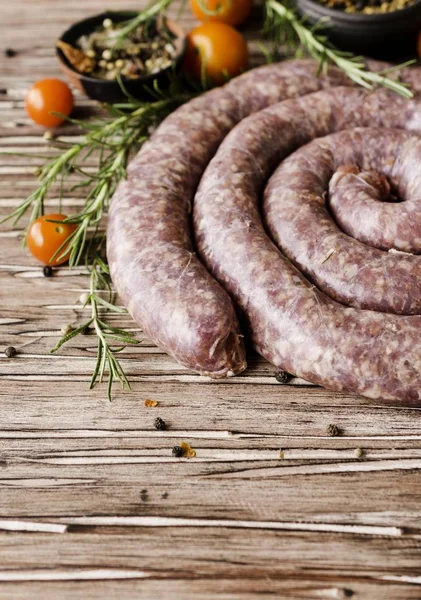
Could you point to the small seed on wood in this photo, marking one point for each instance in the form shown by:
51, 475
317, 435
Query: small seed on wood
47, 271
151, 403
10, 352
66, 329
48, 136
358, 452
282, 376
333, 430
160, 424
177, 451
188, 451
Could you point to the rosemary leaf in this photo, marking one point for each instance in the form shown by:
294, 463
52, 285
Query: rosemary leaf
109, 305
66, 338
117, 330
125, 339
97, 364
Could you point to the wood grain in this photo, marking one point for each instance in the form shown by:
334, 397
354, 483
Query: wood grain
92, 502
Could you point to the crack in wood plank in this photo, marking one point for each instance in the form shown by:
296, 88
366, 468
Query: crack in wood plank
322, 469
71, 574
154, 521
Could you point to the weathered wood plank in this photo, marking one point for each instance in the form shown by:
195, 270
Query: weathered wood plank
315, 480
266, 410
224, 552
306, 492
270, 588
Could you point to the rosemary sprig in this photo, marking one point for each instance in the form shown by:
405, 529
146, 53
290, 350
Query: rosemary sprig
107, 335
284, 22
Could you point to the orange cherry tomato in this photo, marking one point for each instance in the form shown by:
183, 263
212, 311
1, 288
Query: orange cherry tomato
47, 96
45, 238
217, 50
232, 12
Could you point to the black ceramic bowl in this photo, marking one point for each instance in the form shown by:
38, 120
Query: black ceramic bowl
110, 91
384, 36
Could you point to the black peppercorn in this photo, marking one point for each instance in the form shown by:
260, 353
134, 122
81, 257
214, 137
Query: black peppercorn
47, 271
177, 451
160, 424
3, 91
10, 352
282, 376
10, 53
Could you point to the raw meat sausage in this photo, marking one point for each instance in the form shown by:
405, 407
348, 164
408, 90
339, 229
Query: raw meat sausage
365, 204
152, 260
291, 323
169, 292
255, 147
344, 268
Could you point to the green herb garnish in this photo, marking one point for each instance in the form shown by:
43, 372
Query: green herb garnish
107, 335
284, 26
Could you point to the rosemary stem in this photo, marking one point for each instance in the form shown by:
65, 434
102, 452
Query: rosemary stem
353, 67
94, 308
145, 15
95, 319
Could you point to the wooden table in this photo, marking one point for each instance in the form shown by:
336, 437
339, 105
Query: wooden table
92, 503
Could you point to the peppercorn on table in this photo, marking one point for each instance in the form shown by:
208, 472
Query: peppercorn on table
289, 491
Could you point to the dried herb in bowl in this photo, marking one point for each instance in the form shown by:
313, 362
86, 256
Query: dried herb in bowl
367, 7
111, 51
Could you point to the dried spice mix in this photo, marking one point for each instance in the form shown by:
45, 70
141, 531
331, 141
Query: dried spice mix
108, 54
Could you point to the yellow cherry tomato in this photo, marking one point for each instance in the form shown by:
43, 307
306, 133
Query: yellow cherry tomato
47, 96
232, 12
45, 238
216, 50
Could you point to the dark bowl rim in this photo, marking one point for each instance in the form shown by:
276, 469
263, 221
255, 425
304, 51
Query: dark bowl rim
97, 80
379, 17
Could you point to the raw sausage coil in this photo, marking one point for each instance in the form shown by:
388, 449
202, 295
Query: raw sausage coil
181, 306
292, 323
346, 269
149, 245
